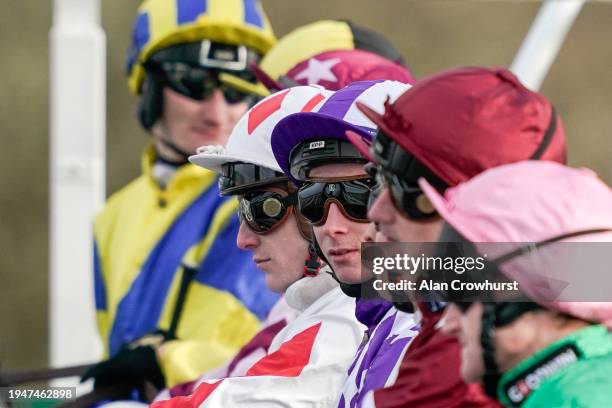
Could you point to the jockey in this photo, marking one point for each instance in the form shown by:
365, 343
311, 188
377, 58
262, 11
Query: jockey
259, 344
531, 351
312, 149
165, 243
489, 119
307, 359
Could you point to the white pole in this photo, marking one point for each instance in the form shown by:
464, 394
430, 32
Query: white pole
543, 41
78, 115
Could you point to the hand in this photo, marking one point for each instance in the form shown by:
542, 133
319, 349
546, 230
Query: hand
132, 365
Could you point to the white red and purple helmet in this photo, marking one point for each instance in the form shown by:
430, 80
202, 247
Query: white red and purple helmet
332, 119
249, 141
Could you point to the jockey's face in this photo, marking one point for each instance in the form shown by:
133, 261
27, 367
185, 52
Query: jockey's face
467, 328
281, 253
340, 238
396, 226
189, 123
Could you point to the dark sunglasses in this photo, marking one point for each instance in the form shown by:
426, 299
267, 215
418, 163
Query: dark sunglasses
197, 83
351, 196
263, 211
407, 198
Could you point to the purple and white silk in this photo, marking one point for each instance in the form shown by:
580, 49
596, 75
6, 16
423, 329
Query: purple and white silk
334, 117
376, 364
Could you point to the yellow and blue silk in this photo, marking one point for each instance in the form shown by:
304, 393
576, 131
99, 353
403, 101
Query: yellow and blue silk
143, 236
162, 23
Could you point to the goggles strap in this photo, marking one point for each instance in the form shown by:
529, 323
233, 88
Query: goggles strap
524, 250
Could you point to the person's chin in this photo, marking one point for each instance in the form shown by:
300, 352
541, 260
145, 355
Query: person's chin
347, 273
206, 136
275, 284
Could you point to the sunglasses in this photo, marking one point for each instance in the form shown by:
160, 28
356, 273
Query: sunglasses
263, 211
406, 197
351, 196
198, 83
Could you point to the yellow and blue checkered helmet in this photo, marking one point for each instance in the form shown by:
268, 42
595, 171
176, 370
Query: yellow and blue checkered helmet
163, 23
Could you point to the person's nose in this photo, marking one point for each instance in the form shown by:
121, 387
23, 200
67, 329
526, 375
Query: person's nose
336, 223
452, 320
215, 106
382, 210
246, 238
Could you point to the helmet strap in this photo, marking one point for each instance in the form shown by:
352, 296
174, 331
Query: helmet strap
548, 135
492, 374
183, 155
151, 102
165, 148
150, 111
312, 264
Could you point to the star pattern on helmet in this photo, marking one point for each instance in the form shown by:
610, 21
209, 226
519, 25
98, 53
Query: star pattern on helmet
319, 71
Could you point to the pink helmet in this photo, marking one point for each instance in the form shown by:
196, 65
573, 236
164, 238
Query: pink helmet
531, 202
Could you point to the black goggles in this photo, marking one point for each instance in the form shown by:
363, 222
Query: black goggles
407, 198
263, 211
239, 176
399, 171
197, 83
351, 196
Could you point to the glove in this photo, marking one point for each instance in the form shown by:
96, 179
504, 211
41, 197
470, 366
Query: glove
132, 365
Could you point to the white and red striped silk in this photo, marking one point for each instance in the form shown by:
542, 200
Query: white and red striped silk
306, 365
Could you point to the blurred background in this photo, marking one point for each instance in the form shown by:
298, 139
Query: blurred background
432, 35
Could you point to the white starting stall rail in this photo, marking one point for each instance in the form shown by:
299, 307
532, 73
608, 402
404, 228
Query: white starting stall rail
77, 178
544, 40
